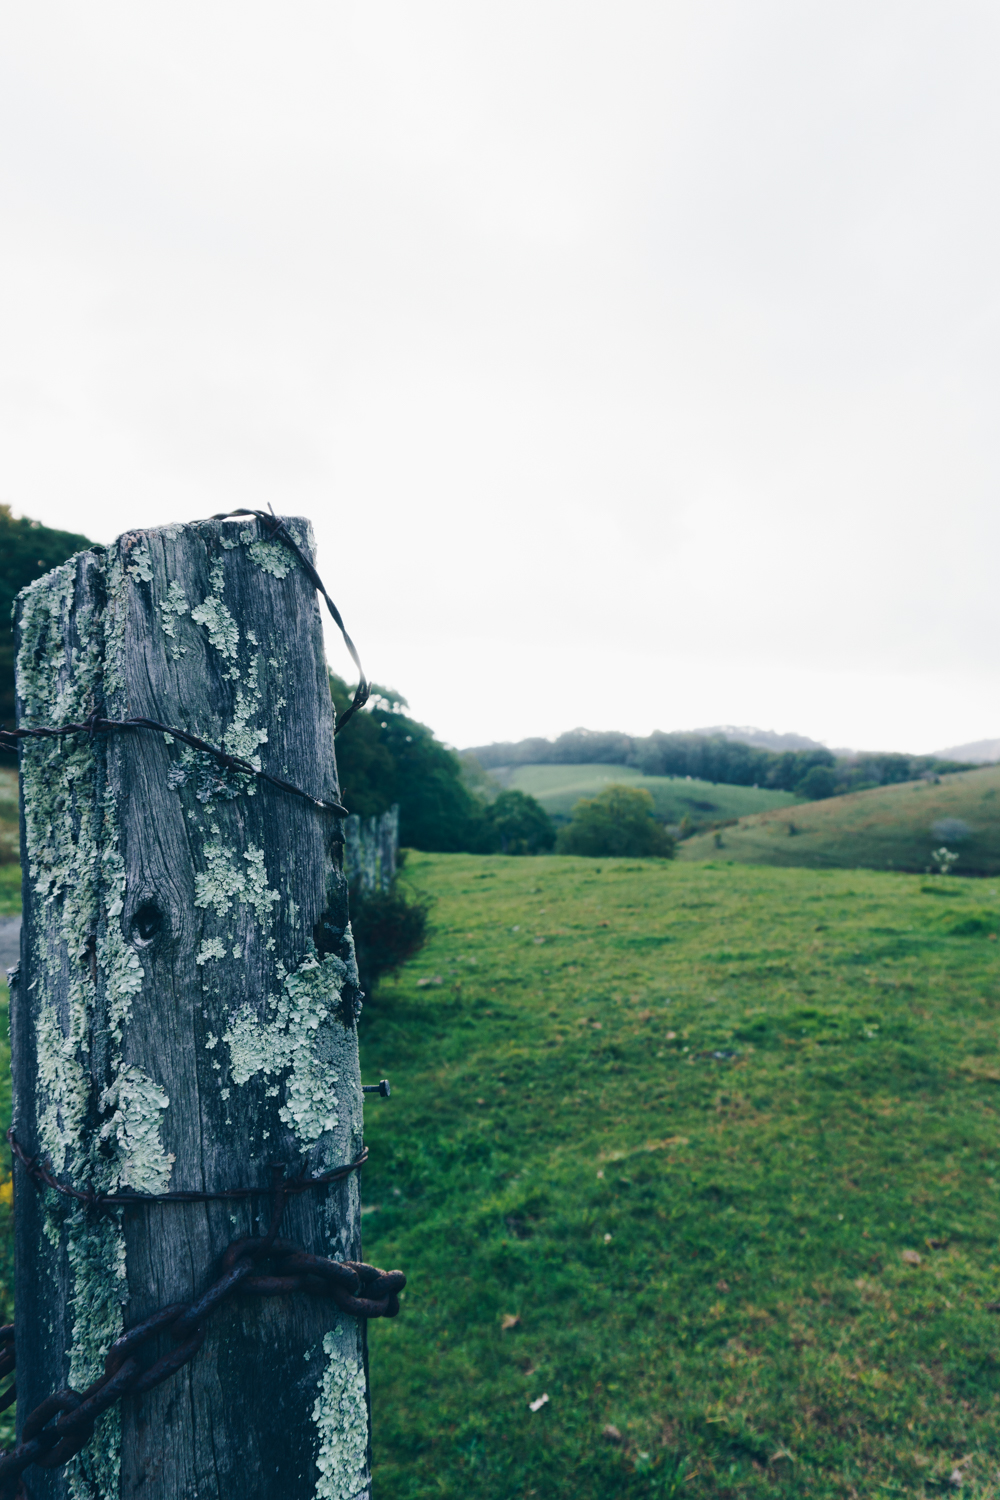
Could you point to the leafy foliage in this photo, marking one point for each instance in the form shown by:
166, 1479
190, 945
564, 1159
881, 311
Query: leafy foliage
515, 823
712, 757
385, 757
617, 822
27, 550
390, 928
817, 783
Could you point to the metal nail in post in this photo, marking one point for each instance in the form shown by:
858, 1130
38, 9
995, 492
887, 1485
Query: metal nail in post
382, 1087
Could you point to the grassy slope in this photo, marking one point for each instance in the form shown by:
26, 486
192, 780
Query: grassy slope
704, 803
683, 1121
886, 828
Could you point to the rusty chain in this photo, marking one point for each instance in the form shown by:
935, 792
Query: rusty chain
63, 1423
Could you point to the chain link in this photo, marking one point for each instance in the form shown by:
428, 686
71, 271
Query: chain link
63, 1423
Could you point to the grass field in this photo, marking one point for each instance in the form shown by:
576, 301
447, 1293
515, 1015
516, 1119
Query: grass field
888, 828
703, 803
705, 1153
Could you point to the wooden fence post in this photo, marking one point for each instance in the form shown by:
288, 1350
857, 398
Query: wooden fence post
185, 1012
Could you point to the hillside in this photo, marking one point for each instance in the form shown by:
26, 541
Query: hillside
978, 752
708, 1158
702, 803
887, 828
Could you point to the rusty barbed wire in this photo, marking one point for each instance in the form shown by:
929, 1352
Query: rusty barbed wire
43, 1176
64, 1422
97, 725
277, 527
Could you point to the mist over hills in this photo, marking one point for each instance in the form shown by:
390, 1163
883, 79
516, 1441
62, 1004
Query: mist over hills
978, 752
763, 739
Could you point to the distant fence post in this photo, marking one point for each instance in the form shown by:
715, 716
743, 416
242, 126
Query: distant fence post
184, 1016
371, 849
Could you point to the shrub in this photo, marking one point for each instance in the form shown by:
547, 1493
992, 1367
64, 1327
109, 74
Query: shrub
617, 822
389, 928
515, 823
817, 783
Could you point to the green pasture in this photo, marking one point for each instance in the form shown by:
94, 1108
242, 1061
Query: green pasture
707, 1154
703, 803
887, 828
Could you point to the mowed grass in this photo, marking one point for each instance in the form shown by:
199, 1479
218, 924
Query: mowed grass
703, 803
889, 827
707, 1153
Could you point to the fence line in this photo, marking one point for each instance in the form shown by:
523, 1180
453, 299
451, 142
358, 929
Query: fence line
371, 846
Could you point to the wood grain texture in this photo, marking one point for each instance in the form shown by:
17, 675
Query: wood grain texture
219, 977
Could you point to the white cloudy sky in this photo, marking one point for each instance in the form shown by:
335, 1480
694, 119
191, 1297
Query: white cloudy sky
635, 362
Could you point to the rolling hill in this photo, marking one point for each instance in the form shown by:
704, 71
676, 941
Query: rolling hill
703, 803
887, 828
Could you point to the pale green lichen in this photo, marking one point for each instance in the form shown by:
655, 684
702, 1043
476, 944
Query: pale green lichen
304, 1034
273, 558
223, 631
174, 605
241, 738
215, 887
138, 1103
341, 1416
210, 948
141, 566
224, 880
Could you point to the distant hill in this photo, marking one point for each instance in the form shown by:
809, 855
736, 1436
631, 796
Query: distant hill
887, 828
678, 801
979, 752
763, 739
718, 756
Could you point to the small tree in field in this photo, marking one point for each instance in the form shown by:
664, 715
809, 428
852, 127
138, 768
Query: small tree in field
617, 822
516, 824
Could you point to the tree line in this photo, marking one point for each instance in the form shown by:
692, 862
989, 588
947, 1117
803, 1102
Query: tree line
812, 773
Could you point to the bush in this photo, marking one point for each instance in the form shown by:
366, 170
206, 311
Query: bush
389, 928
817, 783
617, 822
515, 823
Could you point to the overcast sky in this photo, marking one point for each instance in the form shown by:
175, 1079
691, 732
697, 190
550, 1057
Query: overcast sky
636, 363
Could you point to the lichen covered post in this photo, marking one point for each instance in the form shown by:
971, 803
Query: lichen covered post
185, 1012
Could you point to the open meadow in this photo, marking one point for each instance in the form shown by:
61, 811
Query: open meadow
886, 828
704, 1153
675, 798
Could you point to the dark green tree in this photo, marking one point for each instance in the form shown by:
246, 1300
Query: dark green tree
817, 783
617, 822
517, 824
385, 757
27, 550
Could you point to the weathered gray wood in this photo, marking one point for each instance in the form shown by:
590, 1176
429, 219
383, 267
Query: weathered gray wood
185, 1011
371, 849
